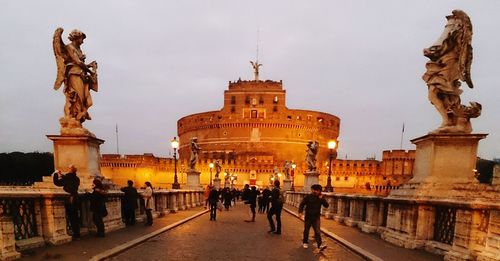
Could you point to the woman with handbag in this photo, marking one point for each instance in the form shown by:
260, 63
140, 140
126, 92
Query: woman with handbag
98, 206
149, 205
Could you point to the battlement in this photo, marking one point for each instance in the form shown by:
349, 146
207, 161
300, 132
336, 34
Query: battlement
255, 85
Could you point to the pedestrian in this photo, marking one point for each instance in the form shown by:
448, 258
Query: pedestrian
213, 198
312, 204
227, 197
206, 194
149, 205
98, 206
70, 183
234, 193
129, 203
266, 194
252, 201
260, 202
276, 207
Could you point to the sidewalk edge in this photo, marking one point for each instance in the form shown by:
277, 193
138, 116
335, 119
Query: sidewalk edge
365, 254
118, 249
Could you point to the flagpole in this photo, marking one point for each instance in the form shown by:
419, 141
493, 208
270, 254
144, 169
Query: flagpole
402, 132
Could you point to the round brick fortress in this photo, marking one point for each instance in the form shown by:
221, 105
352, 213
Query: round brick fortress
255, 125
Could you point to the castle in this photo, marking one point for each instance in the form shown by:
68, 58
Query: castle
252, 136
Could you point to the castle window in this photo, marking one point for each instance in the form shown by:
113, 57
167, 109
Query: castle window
320, 119
254, 114
261, 100
289, 117
233, 99
247, 100
275, 108
233, 109
346, 178
275, 100
337, 178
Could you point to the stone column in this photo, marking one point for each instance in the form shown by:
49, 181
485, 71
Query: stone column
81, 151
341, 213
173, 200
8, 240
181, 198
193, 179
287, 184
372, 216
188, 199
310, 178
329, 212
53, 215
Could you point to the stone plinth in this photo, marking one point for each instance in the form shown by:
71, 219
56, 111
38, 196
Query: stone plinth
287, 184
81, 151
193, 179
442, 161
216, 183
310, 178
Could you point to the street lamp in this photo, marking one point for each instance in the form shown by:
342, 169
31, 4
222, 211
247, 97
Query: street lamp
332, 145
175, 146
211, 165
293, 176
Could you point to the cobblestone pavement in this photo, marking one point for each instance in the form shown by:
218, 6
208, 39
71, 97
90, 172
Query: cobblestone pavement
230, 238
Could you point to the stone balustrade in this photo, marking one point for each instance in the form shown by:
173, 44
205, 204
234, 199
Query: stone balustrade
32, 217
456, 229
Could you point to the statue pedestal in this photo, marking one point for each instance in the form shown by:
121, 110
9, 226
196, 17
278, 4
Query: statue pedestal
81, 151
217, 183
310, 178
193, 179
442, 162
287, 184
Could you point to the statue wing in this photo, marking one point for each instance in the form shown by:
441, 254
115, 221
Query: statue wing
465, 59
60, 54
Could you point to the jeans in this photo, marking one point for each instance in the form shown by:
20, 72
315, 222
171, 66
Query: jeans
275, 210
213, 210
315, 223
99, 224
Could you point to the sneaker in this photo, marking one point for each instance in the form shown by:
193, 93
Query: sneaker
305, 245
322, 247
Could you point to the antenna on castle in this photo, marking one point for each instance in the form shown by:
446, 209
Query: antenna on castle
258, 35
117, 146
256, 64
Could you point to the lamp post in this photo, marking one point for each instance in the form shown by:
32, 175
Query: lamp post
332, 145
293, 176
175, 146
211, 165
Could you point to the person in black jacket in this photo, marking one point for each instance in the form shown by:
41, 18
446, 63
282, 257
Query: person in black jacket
266, 194
129, 203
98, 206
213, 198
252, 201
276, 207
312, 204
70, 183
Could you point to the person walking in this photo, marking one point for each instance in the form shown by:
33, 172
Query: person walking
312, 203
252, 201
129, 203
276, 207
213, 198
260, 202
70, 183
227, 197
206, 194
149, 205
98, 206
266, 195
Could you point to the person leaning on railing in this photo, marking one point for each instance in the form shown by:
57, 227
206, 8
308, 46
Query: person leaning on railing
70, 183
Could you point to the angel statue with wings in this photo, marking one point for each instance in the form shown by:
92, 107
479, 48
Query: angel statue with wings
450, 61
78, 78
255, 66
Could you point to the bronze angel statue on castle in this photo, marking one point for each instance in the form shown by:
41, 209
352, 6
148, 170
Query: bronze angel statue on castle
78, 78
450, 61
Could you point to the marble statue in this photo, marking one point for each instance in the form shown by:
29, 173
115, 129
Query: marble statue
78, 78
256, 66
312, 151
286, 169
218, 168
194, 153
449, 66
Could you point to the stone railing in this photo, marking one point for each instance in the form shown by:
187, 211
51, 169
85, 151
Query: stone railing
457, 230
33, 217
